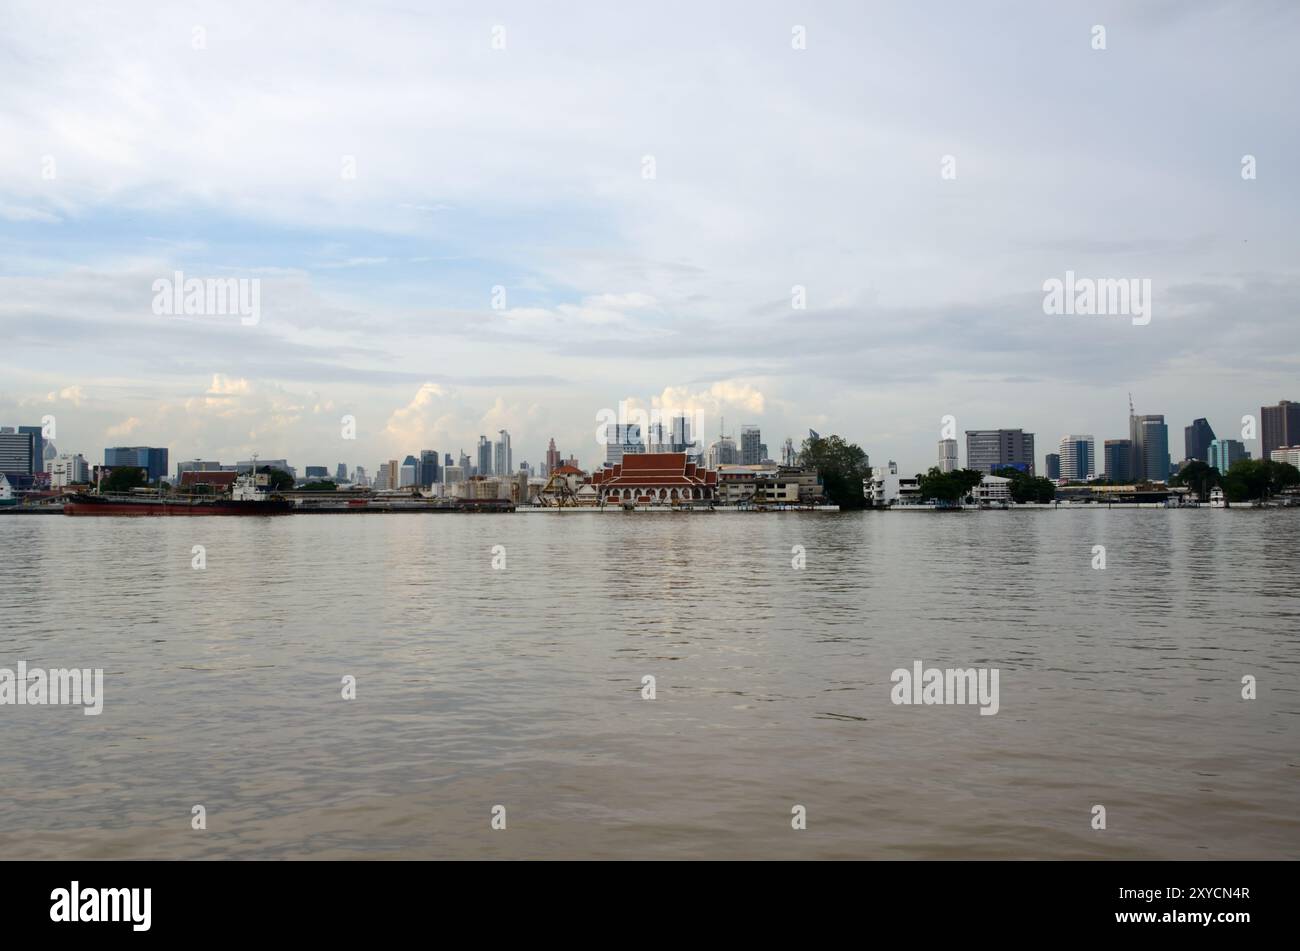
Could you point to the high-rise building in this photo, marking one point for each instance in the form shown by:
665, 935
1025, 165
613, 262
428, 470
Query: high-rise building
394, 475
1054, 466
1150, 438
1078, 458
38, 448
789, 457
552, 457
1196, 440
17, 453
484, 456
68, 469
1278, 426
682, 440
990, 449
1222, 453
621, 440
152, 459
316, 472
947, 455
359, 476
447, 460
341, 473
502, 462
723, 452
428, 472
752, 449
1119, 460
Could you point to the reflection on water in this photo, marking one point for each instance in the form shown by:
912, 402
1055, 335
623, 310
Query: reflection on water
523, 686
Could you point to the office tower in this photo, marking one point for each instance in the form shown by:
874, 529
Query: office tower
1222, 453
341, 473
394, 475
788, 455
409, 476
317, 472
359, 476
989, 449
1119, 460
453, 474
447, 460
484, 456
656, 438
552, 457
620, 440
502, 463
947, 455
682, 440
149, 458
1196, 440
68, 469
1150, 438
428, 472
1078, 459
751, 446
1278, 426
17, 453
723, 453
38, 448
1054, 466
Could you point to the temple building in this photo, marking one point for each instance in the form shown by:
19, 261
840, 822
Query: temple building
655, 478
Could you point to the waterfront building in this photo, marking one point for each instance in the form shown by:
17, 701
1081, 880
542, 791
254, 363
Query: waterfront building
655, 478
1077, 459
1196, 440
1118, 460
947, 455
152, 459
989, 449
1223, 453
18, 454
1278, 426
622, 439
993, 488
502, 458
885, 487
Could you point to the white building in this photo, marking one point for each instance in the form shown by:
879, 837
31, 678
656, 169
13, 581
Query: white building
68, 469
885, 487
947, 455
1078, 459
1289, 454
993, 489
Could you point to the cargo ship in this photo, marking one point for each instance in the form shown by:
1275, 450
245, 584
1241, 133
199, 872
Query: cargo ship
244, 500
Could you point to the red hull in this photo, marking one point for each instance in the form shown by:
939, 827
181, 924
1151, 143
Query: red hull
97, 506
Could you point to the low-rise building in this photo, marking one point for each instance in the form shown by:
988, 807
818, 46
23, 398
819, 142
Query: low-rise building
992, 488
1289, 454
885, 487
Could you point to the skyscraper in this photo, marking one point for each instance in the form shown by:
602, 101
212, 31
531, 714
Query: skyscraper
1078, 458
1150, 438
428, 473
552, 457
1054, 466
1278, 426
502, 457
989, 449
1196, 439
1222, 453
17, 453
484, 456
38, 450
620, 440
1119, 460
947, 455
152, 459
752, 449
341, 473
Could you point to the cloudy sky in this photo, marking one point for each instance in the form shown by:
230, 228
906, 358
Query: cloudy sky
644, 185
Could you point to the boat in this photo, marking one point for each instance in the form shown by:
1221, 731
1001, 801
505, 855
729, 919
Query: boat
1217, 501
7, 496
244, 499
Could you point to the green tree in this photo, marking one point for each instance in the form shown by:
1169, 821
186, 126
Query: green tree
324, 485
1027, 488
842, 467
124, 479
1252, 479
948, 486
279, 479
1198, 477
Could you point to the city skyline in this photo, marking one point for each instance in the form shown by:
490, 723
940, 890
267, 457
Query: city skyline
434, 296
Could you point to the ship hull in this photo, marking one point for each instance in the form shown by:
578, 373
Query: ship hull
95, 505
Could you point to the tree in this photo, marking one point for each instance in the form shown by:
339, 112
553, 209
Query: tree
841, 465
278, 480
948, 486
1027, 488
324, 485
1198, 477
1251, 479
124, 479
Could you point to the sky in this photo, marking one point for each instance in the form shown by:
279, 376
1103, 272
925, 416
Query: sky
467, 217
